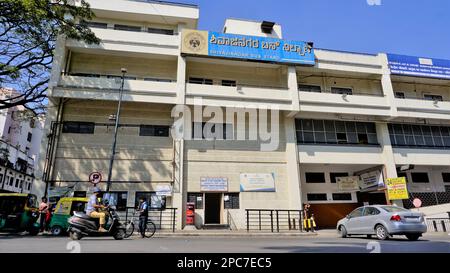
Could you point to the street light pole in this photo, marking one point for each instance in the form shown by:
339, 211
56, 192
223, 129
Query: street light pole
116, 129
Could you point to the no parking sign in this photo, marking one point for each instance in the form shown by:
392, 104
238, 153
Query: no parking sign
95, 178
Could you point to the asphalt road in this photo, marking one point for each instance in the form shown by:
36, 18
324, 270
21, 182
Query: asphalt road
323, 243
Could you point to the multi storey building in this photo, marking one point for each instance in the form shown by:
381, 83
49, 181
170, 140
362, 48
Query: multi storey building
340, 114
20, 140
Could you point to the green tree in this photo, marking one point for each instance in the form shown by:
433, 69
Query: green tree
28, 33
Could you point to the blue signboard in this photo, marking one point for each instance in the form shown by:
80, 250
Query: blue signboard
236, 46
259, 48
420, 67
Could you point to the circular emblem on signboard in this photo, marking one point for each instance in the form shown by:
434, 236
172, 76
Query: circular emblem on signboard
195, 42
95, 178
417, 203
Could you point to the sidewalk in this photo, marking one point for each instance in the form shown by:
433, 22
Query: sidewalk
230, 233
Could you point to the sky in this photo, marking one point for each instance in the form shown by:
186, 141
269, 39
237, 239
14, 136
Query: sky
410, 27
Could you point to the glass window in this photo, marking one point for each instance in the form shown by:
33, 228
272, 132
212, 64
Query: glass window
200, 81
352, 138
363, 139
342, 196
231, 200
433, 97
96, 24
127, 28
399, 95
446, 177
329, 126
315, 177
393, 209
336, 132
196, 198
417, 177
342, 91
341, 138
160, 31
370, 211
117, 199
76, 127
309, 88
356, 213
228, 83
333, 176
316, 196
154, 201
318, 125
319, 137
307, 125
352, 126
154, 130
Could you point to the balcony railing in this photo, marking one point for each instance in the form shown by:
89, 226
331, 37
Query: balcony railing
259, 94
357, 103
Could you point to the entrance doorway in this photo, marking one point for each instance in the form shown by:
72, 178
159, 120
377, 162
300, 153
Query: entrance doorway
213, 208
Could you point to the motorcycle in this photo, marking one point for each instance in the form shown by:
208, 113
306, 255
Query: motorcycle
82, 225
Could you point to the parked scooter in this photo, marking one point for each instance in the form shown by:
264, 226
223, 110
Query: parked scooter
82, 225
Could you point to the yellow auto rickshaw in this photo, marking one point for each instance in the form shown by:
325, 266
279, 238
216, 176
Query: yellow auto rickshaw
18, 213
64, 209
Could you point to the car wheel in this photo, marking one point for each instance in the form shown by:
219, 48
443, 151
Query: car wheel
381, 232
413, 237
57, 231
343, 232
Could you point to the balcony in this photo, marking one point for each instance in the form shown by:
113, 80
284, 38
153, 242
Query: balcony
360, 104
107, 89
133, 42
239, 96
421, 108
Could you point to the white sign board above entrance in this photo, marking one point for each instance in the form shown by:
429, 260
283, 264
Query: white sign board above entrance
348, 184
371, 179
256, 182
213, 184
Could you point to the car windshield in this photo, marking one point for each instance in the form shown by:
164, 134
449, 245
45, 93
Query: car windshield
393, 209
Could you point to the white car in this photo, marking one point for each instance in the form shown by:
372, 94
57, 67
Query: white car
384, 222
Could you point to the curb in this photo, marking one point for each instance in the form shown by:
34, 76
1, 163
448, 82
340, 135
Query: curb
231, 234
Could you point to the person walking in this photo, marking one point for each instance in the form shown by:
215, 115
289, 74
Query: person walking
43, 211
143, 215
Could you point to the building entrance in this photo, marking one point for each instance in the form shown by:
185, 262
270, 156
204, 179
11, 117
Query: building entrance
213, 208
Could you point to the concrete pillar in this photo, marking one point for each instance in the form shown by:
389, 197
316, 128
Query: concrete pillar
179, 190
387, 154
386, 84
292, 164
181, 72
51, 116
58, 65
293, 90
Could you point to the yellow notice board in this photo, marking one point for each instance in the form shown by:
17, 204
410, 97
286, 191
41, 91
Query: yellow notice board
397, 189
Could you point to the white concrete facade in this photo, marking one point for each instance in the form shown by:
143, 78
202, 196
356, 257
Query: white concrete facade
85, 89
20, 139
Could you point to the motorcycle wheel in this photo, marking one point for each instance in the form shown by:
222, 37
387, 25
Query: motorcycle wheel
120, 234
75, 235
